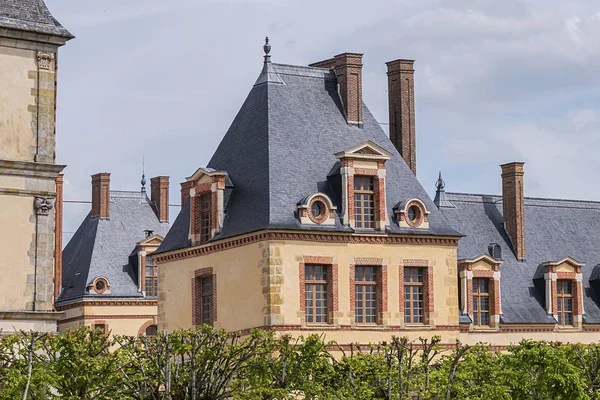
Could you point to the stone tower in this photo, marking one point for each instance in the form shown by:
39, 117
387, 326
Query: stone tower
30, 180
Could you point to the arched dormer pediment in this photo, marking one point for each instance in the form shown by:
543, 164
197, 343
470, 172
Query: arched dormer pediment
481, 263
316, 209
567, 264
412, 213
366, 150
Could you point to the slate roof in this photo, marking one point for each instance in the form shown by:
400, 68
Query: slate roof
101, 248
554, 230
280, 148
31, 16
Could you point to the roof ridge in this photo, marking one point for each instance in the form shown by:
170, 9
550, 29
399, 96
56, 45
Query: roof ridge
552, 199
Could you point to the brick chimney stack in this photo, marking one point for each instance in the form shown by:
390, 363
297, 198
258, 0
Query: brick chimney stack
348, 69
101, 195
185, 191
159, 195
401, 95
513, 206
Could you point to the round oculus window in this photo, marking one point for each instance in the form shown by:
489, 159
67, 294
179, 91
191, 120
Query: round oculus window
318, 211
100, 285
414, 215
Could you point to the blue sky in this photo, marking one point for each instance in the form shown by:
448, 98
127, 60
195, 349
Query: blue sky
495, 82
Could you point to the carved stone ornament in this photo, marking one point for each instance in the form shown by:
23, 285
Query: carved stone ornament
43, 205
44, 59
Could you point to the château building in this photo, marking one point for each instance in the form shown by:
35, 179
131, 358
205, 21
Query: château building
30, 179
309, 218
109, 278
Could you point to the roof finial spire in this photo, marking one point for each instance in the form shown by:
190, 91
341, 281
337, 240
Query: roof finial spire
267, 49
440, 184
441, 200
143, 181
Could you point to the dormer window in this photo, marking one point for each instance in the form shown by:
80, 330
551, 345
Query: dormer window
316, 209
362, 169
480, 290
412, 214
100, 286
564, 292
207, 203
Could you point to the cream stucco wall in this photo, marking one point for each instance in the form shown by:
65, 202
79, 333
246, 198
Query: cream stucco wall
240, 300
15, 247
16, 96
120, 319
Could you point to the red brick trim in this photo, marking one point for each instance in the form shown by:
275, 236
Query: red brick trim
107, 303
325, 211
350, 179
577, 291
142, 330
312, 237
103, 280
352, 275
365, 172
198, 275
422, 217
368, 261
120, 316
318, 260
100, 322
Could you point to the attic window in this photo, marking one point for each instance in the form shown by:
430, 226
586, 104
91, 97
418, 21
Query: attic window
495, 251
100, 285
412, 214
316, 208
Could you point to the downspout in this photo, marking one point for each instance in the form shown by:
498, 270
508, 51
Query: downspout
35, 262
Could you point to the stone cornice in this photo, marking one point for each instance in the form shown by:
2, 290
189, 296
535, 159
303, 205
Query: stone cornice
31, 315
318, 237
106, 303
31, 169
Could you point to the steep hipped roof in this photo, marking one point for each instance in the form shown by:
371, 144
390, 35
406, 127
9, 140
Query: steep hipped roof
31, 16
101, 247
554, 230
281, 147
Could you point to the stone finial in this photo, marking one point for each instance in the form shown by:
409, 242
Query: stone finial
43, 205
267, 50
440, 184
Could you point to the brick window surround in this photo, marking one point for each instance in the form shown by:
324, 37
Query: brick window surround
492, 272
381, 287
551, 276
100, 324
427, 288
199, 274
332, 286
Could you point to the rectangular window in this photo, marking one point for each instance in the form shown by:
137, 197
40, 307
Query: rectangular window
205, 300
413, 295
101, 327
205, 214
564, 294
365, 295
151, 288
316, 293
481, 302
364, 202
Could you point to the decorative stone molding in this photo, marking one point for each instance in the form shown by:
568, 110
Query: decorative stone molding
43, 205
107, 303
313, 237
45, 60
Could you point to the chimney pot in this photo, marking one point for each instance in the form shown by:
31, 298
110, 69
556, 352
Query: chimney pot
401, 95
513, 206
348, 70
101, 195
159, 195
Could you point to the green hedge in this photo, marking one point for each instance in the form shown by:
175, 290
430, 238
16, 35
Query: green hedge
207, 364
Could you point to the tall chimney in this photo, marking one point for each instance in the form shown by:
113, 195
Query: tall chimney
348, 70
401, 94
101, 195
159, 195
513, 206
185, 191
